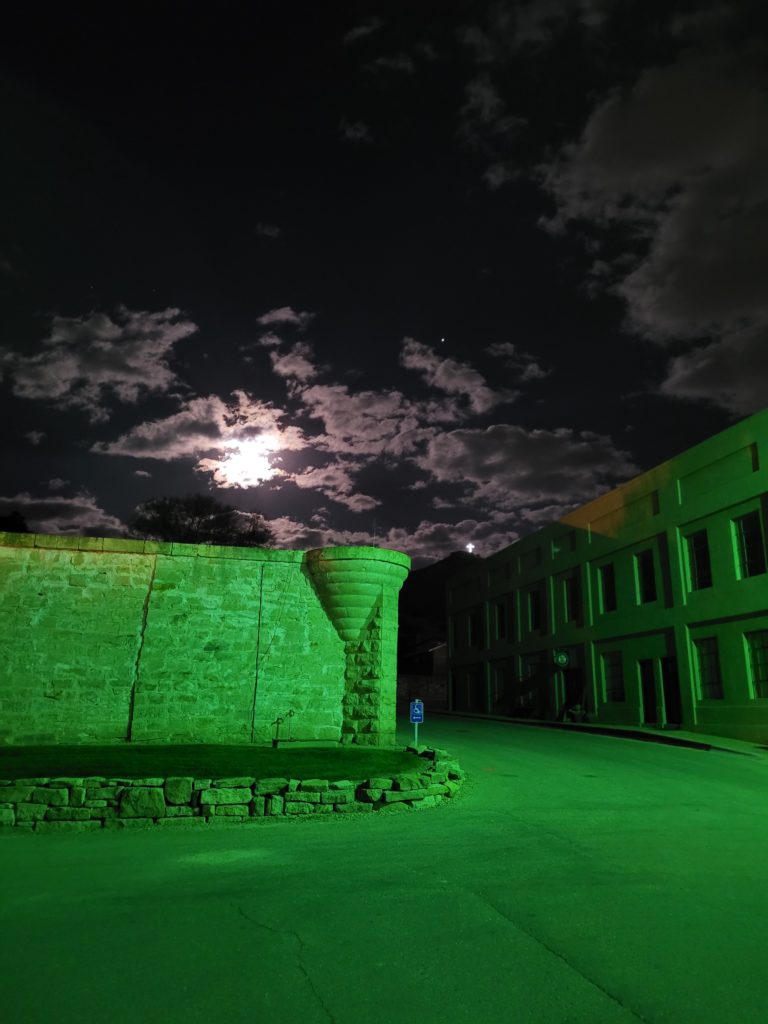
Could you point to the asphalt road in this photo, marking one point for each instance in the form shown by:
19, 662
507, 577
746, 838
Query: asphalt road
577, 878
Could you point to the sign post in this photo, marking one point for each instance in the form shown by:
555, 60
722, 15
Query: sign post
417, 716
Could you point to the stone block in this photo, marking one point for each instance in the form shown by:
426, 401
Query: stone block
342, 784
354, 807
17, 794
231, 810
275, 805
370, 795
95, 803
343, 796
77, 796
67, 814
302, 797
42, 795
427, 801
142, 802
225, 796
184, 811
101, 793
143, 782
178, 790
32, 782
299, 808
314, 785
270, 785
406, 782
235, 783
30, 812
391, 796
201, 784
65, 782
67, 826
379, 783
7, 816
103, 812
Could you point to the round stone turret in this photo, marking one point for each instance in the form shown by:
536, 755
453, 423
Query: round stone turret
358, 590
351, 581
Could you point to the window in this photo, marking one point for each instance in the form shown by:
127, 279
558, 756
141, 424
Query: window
749, 545
572, 591
699, 568
607, 587
500, 612
646, 576
757, 645
613, 677
476, 628
708, 668
536, 610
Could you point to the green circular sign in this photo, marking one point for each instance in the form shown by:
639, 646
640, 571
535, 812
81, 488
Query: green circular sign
562, 659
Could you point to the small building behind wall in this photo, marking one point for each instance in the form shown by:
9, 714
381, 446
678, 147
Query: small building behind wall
647, 606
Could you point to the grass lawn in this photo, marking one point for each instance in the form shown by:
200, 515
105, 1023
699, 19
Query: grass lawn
204, 761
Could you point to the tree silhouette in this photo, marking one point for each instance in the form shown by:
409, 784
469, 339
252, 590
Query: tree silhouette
198, 519
14, 522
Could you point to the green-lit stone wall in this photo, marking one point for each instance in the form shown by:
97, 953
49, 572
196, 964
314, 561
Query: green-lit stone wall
106, 641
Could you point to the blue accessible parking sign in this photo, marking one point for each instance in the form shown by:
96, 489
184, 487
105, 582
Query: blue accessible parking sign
417, 716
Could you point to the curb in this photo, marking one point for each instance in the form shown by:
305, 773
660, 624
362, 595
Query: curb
651, 736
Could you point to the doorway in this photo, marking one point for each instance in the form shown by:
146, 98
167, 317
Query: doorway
650, 712
670, 684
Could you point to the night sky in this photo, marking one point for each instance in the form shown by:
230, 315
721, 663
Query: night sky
420, 274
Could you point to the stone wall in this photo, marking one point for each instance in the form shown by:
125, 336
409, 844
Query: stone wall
73, 804
108, 641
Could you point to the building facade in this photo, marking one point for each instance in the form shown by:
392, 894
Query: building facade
647, 606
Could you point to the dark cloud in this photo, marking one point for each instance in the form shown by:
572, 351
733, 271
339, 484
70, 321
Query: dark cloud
79, 516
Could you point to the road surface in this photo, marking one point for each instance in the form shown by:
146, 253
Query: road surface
577, 879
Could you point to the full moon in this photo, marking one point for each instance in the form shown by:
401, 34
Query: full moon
247, 463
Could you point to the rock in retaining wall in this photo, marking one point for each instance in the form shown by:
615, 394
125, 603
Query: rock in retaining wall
94, 802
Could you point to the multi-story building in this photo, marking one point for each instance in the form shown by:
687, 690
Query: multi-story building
646, 606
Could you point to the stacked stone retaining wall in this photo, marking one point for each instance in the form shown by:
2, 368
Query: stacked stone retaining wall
95, 802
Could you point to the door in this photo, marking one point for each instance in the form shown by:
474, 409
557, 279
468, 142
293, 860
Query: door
573, 685
650, 713
671, 689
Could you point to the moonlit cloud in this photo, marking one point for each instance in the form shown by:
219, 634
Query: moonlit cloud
285, 315
355, 131
87, 362
336, 481
296, 363
366, 28
504, 465
203, 425
515, 359
451, 376
681, 160
267, 230
398, 62
35, 436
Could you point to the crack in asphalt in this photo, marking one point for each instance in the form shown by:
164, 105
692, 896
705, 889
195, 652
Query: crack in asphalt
299, 957
565, 960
